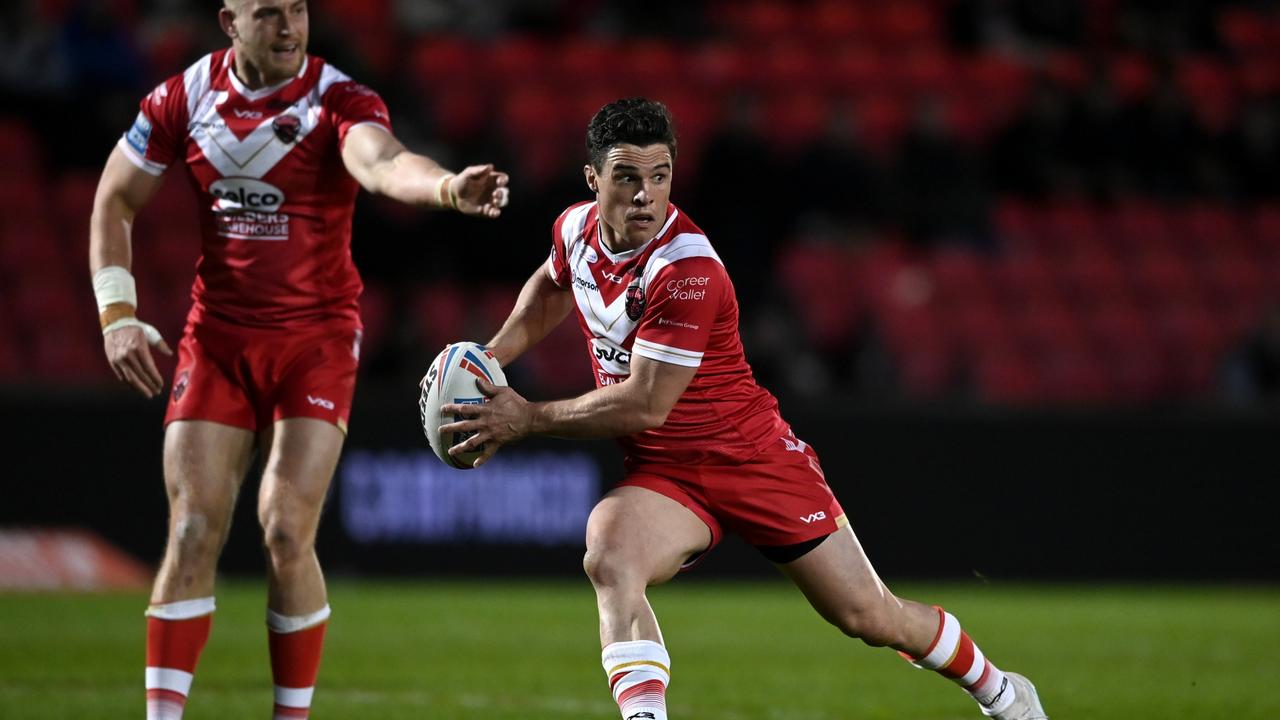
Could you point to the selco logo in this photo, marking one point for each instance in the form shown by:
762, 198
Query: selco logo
245, 194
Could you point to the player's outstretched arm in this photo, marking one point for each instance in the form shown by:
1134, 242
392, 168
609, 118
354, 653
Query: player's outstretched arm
541, 307
383, 165
123, 190
641, 402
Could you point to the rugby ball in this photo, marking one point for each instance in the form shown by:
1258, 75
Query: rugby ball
451, 378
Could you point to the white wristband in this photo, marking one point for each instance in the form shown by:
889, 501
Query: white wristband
114, 284
153, 335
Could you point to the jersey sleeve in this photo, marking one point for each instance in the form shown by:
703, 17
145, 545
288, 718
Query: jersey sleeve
558, 260
154, 140
681, 301
351, 104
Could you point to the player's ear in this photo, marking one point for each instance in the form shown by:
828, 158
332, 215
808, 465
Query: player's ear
589, 173
227, 21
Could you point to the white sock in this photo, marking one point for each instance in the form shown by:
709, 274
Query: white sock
638, 672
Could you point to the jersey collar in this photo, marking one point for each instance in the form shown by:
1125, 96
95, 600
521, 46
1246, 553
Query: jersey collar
246, 93
633, 252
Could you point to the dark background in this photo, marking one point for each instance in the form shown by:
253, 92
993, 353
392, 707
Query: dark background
1012, 266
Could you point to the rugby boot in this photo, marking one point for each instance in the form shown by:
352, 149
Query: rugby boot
1026, 703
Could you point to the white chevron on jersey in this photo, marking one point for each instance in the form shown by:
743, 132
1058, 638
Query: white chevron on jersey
261, 149
609, 324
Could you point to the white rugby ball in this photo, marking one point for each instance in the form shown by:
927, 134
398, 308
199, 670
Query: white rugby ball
452, 379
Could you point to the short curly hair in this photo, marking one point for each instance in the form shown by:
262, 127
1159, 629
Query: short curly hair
631, 121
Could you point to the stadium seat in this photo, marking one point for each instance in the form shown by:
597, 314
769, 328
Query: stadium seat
1094, 277
1245, 32
1026, 278
1132, 77
439, 315
1073, 376
905, 24
1006, 375
822, 283
1163, 277
441, 63
717, 66
757, 20
377, 315
795, 120
854, 71
516, 62
835, 23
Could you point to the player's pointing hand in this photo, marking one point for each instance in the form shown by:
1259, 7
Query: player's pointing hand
480, 190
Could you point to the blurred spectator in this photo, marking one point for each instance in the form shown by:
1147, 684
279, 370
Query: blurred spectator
1251, 374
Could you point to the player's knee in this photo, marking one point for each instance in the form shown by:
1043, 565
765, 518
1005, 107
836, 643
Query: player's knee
285, 538
608, 569
873, 625
194, 535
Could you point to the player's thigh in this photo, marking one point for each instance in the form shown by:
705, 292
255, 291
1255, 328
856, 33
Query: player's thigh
301, 457
837, 578
636, 533
204, 466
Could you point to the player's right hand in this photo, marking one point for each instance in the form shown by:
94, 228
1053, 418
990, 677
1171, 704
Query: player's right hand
129, 353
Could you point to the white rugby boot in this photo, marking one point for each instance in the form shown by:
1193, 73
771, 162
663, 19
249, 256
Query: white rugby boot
1026, 702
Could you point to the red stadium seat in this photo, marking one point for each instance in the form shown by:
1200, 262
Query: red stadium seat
715, 67
1234, 280
1071, 227
559, 364
1140, 227
440, 63
517, 62
1132, 77
1002, 82
796, 119
1026, 278
1162, 278
924, 71
785, 66
906, 23
439, 313
822, 282
855, 71
1094, 277
881, 121
1245, 32
1006, 376
757, 20
835, 23
1073, 376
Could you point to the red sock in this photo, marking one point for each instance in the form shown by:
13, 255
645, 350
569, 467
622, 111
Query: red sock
296, 644
176, 633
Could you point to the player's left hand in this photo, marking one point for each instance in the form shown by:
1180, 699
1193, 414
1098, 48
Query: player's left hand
505, 418
480, 190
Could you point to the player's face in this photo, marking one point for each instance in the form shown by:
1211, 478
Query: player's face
633, 189
271, 35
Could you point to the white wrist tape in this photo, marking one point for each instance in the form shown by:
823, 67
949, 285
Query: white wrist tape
153, 335
114, 284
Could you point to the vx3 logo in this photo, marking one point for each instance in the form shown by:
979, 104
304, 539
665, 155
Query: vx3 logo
326, 404
814, 517
248, 114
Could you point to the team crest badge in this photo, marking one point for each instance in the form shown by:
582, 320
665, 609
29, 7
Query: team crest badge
635, 302
286, 127
180, 385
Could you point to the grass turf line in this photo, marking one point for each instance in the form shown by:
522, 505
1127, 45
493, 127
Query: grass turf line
749, 651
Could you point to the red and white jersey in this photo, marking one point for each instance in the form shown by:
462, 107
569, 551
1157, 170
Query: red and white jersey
669, 300
275, 199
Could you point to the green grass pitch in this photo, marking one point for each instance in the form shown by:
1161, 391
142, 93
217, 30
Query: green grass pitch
740, 651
